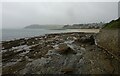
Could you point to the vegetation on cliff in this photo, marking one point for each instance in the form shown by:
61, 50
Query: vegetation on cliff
37, 26
113, 24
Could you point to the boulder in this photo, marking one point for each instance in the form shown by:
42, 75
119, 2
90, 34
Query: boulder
64, 49
87, 39
67, 70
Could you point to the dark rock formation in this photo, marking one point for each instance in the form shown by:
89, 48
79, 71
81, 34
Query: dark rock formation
67, 70
64, 49
88, 39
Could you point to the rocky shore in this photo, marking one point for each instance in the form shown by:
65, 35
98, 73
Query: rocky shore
65, 53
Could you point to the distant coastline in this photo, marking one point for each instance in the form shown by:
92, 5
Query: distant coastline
63, 27
12, 34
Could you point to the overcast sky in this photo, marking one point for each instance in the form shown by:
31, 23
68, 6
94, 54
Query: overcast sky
21, 14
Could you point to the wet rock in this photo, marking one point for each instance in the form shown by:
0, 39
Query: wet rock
69, 42
88, 39
92, 40
52, 52
40, 62
67, 70
74, 38
35, 65
82, 50
64, 49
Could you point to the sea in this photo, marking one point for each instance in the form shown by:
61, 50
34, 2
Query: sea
12, 34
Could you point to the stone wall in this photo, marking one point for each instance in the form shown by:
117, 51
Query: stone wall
109, 40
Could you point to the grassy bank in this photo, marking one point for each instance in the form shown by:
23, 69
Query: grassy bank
114, 24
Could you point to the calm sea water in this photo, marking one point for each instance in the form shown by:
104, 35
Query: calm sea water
11, 34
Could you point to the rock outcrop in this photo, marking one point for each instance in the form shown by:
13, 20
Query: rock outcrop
64, 49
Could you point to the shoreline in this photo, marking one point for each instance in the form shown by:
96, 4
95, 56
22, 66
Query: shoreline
25, 38
65, 31
15, 39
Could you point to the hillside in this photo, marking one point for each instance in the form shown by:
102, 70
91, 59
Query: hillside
85, 26
113, 24
37, 26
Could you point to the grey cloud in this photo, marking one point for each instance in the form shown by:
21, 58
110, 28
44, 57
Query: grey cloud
21, 14
119, 9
